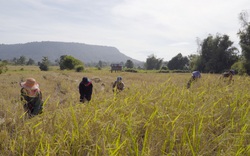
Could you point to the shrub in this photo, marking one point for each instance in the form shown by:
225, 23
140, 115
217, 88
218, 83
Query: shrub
3, 67
99, 68
79, 68
180, 71
164, 68
164, 71
239, 67
44, 67
69, 62
131, 70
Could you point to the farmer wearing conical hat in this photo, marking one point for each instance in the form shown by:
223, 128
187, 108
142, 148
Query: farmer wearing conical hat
31, 95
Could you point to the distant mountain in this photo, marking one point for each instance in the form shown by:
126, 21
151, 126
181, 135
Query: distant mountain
53, 50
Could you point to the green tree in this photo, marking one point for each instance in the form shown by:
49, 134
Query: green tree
14, 61
194, 62
21, 60
217, 54
178, 62
239, 67
44, 66
79, 68
129, 64
69, 62
244, 35
153, 63
100, 64
30, 62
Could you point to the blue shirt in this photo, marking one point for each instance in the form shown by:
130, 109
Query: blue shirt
196, 74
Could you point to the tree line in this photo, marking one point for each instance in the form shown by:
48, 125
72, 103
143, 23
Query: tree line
65, 62
214, 55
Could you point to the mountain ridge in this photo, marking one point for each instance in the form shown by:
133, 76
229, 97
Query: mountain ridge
54, 49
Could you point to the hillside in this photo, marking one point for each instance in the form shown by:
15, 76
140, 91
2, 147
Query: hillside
53, 50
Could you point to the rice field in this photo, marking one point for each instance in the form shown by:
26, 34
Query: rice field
155, 115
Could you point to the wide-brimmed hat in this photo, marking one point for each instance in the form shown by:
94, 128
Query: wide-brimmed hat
30, 83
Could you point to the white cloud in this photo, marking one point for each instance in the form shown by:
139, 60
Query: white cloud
137, 28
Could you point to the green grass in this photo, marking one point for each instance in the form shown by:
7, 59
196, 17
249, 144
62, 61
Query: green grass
154, 115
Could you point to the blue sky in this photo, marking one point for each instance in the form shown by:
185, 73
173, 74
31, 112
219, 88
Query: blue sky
138, 28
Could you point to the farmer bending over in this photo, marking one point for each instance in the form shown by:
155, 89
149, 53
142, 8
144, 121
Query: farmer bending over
228, 74
32, 96
195, 76
85, 89
118, 85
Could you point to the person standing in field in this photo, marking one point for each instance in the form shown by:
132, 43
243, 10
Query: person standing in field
195, 76
118, 85
31, 96
85, 89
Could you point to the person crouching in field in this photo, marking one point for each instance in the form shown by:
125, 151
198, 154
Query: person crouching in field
228, 74
31, 95
195, 76
118, 85
85, 89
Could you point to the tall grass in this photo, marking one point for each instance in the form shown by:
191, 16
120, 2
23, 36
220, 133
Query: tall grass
154, 115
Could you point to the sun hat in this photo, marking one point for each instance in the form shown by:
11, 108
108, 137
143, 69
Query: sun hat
30, 83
